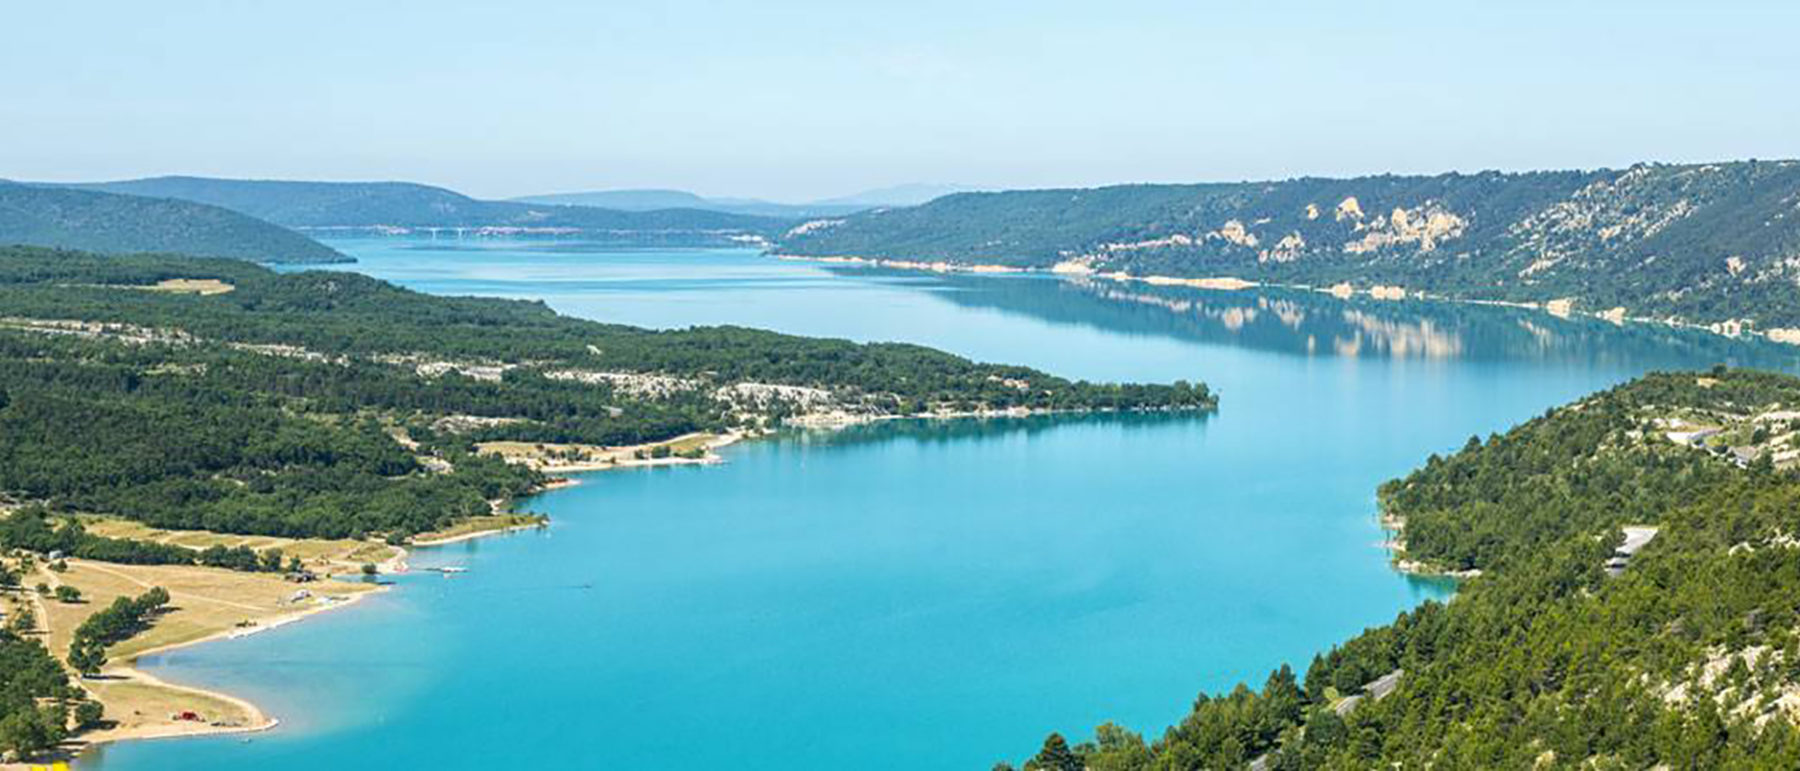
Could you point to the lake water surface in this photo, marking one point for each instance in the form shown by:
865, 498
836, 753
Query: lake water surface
921, 595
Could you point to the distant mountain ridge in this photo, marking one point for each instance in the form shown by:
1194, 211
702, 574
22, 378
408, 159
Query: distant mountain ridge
650, 199
623, 200
1706, 243
405, 205
113, 223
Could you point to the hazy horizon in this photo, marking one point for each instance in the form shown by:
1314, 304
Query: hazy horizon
802, 100
853, 193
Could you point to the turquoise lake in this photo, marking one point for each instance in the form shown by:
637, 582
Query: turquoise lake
919, 595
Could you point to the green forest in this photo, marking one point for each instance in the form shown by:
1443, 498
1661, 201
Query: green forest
1688, 658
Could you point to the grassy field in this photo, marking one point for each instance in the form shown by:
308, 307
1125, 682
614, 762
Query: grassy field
321, 556
204, 601
545, 455
689, 443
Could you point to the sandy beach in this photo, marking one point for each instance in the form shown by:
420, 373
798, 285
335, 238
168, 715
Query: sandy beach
577, 458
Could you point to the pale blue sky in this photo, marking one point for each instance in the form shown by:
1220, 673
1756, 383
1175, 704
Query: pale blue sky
792, 99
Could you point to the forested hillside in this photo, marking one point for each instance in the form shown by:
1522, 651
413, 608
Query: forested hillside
104, 222
1701, 243
1563, 653
332, 404
1605, 462
324, 205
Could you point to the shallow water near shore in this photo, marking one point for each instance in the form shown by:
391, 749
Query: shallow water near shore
913, 594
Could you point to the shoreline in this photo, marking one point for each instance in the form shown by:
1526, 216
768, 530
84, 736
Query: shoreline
1562, 308
472, 535
832, 421
263, 626
1395, 544
260, 721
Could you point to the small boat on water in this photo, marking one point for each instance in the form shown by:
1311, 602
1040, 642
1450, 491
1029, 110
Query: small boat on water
450, 569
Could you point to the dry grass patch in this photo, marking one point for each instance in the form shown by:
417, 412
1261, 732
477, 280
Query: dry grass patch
547, 456
690, 443
203, 286
544, 454
342, 556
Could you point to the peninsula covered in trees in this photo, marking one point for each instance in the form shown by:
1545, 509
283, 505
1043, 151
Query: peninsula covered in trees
1572, 647
336, 405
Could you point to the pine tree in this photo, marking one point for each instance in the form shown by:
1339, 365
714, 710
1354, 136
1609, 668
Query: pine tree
1055, 756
